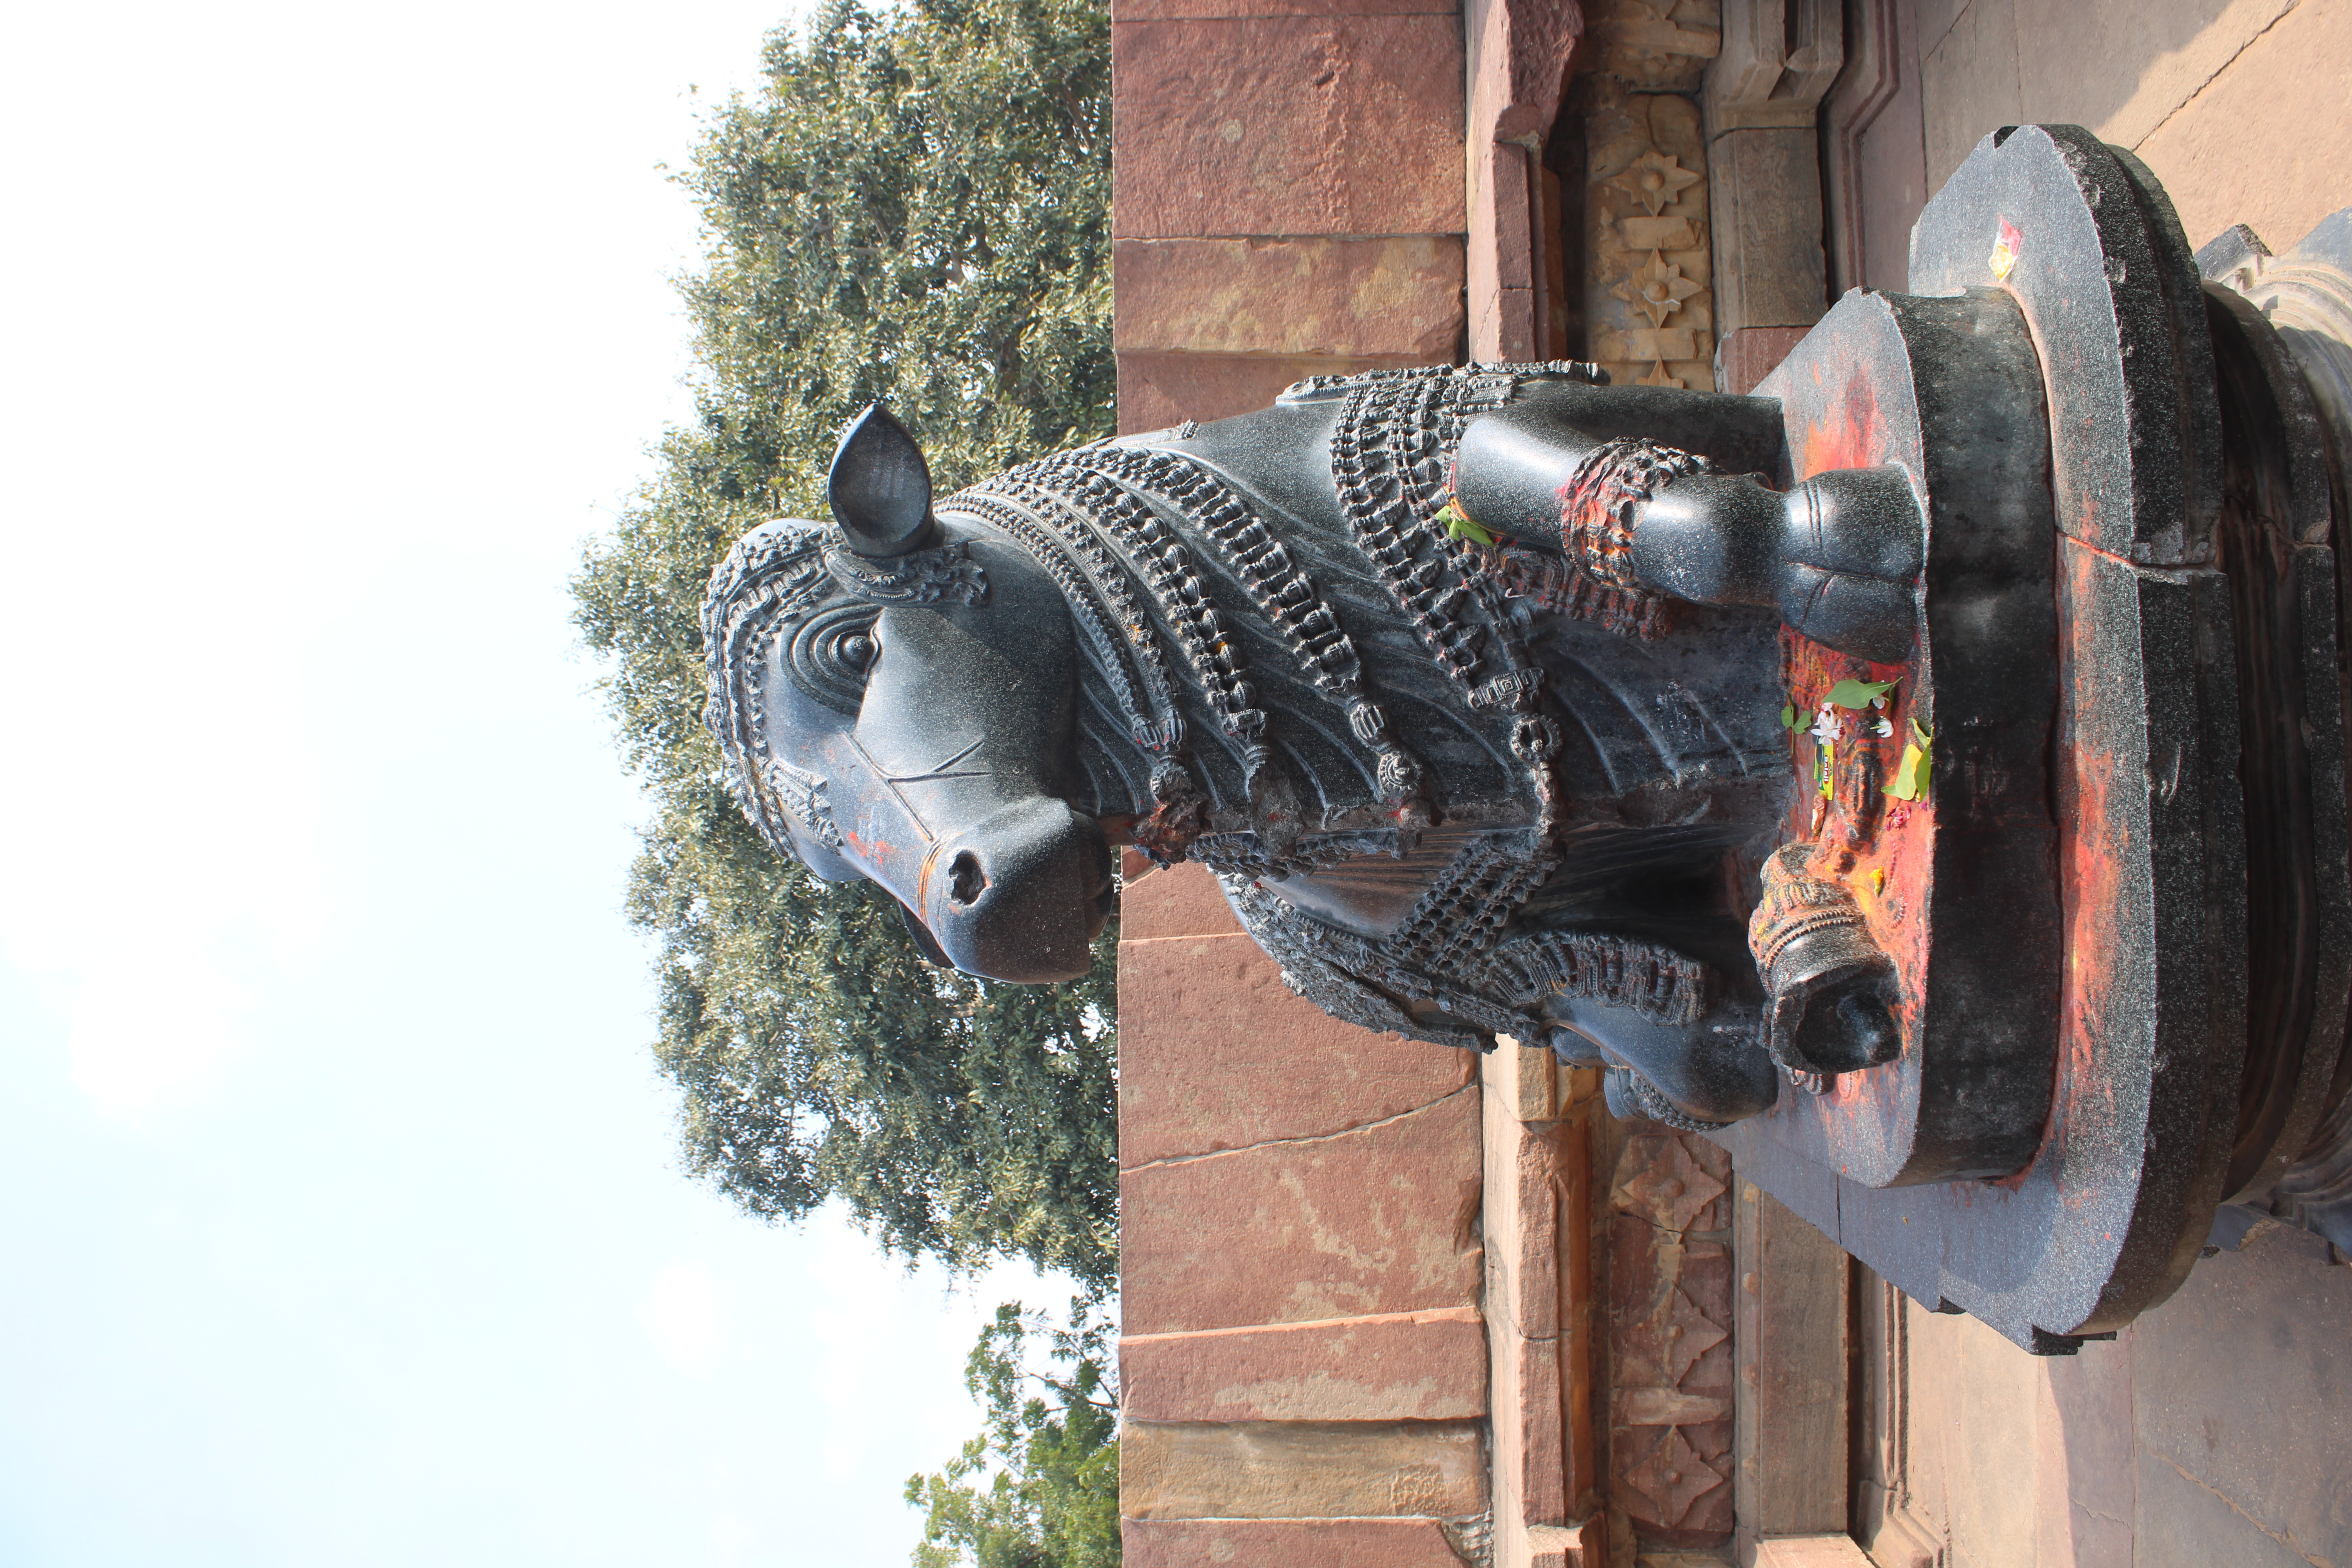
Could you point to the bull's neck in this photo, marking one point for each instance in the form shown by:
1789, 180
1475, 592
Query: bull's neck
1224, 701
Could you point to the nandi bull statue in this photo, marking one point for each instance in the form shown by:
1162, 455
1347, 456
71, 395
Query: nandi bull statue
1457, 788
1883, 773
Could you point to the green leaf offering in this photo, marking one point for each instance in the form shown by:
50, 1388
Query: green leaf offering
1459, 526
1787, 716
1911, 774
1859, 693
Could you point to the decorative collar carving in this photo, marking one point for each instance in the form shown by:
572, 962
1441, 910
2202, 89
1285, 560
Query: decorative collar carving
920, 577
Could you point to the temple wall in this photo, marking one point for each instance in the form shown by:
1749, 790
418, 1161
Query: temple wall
1304, 1361
1286, 198
1389, 1306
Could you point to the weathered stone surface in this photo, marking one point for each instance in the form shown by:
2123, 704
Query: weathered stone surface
2240, 1386
1746, 356
1287, 1544
1290, 125
1500, 277
1769, 269
1379, 1219
1671, 1181
1524, 1078
1668, 1407
1649, 308
1296, 1469
1206, 10
1789, 1319
2124, 66
2249, 148
1520, 54
1584, 1545
1670, 1336
1218, 1053
1810, 1551
1400, 294
1182, 900
1420, 1367
1157, 391
1662, 1480
1522, 1206
1968, 86
1538, 1223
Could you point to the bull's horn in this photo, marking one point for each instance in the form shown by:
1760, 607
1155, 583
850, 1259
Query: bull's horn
881, 488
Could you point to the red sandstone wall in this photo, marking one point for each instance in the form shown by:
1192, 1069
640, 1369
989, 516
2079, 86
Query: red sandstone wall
1300, 1263
1287, 196
1304, 1359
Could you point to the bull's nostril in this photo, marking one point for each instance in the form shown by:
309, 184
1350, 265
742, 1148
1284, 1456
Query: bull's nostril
964, 880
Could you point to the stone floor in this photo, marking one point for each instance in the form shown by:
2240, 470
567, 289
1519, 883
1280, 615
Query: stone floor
2216, 1430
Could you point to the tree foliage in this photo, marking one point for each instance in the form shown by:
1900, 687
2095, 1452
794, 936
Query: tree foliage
914, 207
1039, 1487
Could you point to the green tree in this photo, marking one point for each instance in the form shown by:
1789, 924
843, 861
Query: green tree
914, 207
1039, 1487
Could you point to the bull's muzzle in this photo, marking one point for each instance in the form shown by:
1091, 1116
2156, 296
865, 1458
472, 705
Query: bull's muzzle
1020, 894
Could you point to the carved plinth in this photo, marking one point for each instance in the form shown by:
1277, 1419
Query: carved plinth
2115, 892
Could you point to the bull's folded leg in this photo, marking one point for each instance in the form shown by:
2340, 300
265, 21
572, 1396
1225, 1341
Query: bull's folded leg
1713, 1071
1839, 555
1831, 986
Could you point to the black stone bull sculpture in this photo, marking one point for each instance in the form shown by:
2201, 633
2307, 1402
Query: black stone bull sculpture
1952, 734
1465, 682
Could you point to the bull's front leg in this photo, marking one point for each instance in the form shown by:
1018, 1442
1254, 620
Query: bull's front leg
1839, 555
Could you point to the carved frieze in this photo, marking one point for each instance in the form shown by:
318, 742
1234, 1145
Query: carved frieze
1670, 1338
1647, 267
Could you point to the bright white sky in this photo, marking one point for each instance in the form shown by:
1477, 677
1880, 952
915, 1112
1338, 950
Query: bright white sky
341, 1220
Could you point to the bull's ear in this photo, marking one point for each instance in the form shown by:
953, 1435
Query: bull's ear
881, 488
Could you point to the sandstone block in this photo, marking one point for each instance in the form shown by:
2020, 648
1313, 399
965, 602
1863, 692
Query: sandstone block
1157, 391
1400, 294
1288, 125
1769, 271
1216, 1052
1182, 900
1287, 1544
1202, 10
1377, 1219
2263, 99
1296, 1470
1420, 1367
1743, 357
1810, 1551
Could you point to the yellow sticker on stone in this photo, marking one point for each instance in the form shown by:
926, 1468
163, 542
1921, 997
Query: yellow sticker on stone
2006, 250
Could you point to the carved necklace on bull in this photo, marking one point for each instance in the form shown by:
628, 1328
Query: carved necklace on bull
1097, 520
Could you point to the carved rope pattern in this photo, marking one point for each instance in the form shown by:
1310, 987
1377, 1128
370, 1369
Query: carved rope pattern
922, 578
1600, 508
1160, 556
1662, 984
766, 581
1284, 596
1389, 460
1099, 596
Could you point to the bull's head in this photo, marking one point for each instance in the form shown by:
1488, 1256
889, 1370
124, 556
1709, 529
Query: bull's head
895, 694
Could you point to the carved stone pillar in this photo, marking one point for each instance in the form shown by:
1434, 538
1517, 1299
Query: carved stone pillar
1648, 275
1761, 98
1670, 1341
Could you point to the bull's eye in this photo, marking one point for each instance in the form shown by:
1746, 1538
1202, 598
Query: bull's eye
965, 883
831, 653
